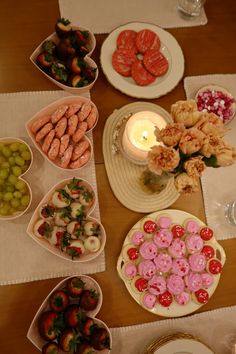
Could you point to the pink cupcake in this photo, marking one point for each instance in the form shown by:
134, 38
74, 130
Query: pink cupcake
164, 222
129, 270
157, 285
175, 284
148, 300
163, 262
146, 269
207, 280
148, 250
177, 249
197, 262
137, 238
163, 238
180, 267
194, 243
193, 281
183, 298
191, 227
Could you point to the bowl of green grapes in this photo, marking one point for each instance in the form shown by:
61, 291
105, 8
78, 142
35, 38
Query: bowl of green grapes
15, 193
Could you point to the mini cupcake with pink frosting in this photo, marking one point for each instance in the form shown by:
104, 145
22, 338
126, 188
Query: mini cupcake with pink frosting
163, 222
163, 262
148, 250
129, 270
137, 237
146, 269
177, 249
191, 226
180, 267
148, 300
207, 280
175, 284
157, 285
193, 281
183, 298
163, 238
194, 243
197, 262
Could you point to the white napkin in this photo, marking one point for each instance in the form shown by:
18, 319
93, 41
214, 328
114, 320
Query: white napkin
21, 258
104, 15
216, 328
218, 185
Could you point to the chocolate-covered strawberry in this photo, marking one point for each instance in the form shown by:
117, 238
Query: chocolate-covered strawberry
89, 73
82, 37
100, 339
44, 60
76, 80
73, 316
58, 300
63, 27
75, 65
68, 340
89, 299
65, 49
50, 324
50, 348
87, 326
59, 72
74, 286
84, 348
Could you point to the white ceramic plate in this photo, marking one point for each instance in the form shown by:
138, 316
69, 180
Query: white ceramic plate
183, 346
174, 310
162, 85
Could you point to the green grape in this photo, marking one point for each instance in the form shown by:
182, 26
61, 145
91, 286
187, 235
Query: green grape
24, 168
16, 171
14, 146
1, 195
11, 160
21, 207
12, 179
7, 196
17, 194
3, 173
15, 203
3, 211
22, 147
25, 200
26, 155
10, 188
15, 153
19, 161
20, 185
5, 164
6, 151
1, 146
2, 159
2, 182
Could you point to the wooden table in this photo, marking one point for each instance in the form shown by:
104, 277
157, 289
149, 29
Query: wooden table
207, 49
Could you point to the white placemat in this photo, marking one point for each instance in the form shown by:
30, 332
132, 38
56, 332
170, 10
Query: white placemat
218, 185
216, 328
104, 15
21, 258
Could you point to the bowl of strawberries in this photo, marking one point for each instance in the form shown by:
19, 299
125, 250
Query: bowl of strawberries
66, 321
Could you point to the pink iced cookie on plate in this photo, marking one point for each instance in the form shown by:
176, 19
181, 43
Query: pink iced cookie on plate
163, 262
180, 267
177, 249
148, 250
129, 270
148, 300
175, 284
137, 238
193, 281
146, 269
191, 226
164, 222
157, 285
163, 238
197, 262
183, 298
207, 280
194, 243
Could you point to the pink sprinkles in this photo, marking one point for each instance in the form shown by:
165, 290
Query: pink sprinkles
216, 102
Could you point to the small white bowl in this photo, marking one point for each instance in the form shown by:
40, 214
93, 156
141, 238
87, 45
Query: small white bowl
73, 90
9, 140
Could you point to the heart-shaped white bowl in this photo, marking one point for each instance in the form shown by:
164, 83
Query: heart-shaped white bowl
73, 90
48, 111
42, 241
33, 333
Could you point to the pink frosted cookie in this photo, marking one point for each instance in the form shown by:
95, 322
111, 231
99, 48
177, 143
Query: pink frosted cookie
183, 298
157, 285
139, 284
129, 270
137, 238
175, 284
180, 267
148, 250
194, 243
163, 238
164, 222
148, 300
146, 269
191, 227
163, 262
207, 280
193, 281
177, 249
197, 262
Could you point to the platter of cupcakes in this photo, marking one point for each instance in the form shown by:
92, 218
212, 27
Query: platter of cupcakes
171, 263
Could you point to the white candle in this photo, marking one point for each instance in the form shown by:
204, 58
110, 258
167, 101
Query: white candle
139, 137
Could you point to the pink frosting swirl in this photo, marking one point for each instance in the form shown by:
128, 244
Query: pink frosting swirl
148, 250
149, 300
177, 248
193, 281
137, 238
130, 270
157, 285
194, 243
164, 222
163, 262
183, 298
163, 238
197, 262
175, 284
180, 267
192, 227
207, 280
146, 269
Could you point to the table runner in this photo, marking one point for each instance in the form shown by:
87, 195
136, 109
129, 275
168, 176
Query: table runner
216, 328
221, 180
21, 258
105, 15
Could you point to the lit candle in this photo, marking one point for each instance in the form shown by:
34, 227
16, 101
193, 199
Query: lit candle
139, 136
